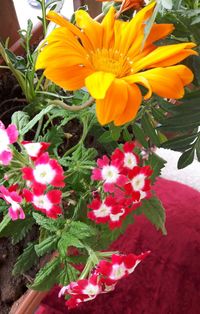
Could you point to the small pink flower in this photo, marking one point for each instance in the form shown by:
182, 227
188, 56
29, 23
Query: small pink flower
109, 172
14, 199
82, 290
45, 171
48, 203
129, 158
34, 150
7, 136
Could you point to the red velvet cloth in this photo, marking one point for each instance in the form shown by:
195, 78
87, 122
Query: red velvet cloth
166, 282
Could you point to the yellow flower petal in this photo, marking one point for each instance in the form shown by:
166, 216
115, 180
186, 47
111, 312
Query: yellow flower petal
165, 56
132, 106
63, 77
91, 28
113, 105
98, 83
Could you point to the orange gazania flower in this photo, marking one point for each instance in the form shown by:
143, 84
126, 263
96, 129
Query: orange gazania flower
128, 4
110, 59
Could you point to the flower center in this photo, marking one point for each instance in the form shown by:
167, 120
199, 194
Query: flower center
110, 174
138, 182
42, 202
111, 61
130, 161
118, 271
44, 174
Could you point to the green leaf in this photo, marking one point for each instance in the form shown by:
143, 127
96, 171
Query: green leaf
36, 119
153, 210
4, 224
49, 224
46, 246
180, 142
22, 231
67, 275
47, 276
67, 240
150, 130
81, 230
20, 119
167, 4
156, 163
25, 261
186, 158
139, 134
3, 207
115, 132
105, 137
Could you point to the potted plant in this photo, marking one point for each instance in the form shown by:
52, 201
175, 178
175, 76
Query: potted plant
77, 174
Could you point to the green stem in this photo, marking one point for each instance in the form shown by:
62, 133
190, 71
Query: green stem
73, 107
44, 22
39, 127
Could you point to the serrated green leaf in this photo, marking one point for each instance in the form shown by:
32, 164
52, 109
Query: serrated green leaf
68, 274
36, 119
153, 210
167, 4
156, 163
105, 137
4, 224
47, 223
47, 276
139, 134
68, 239
46, 246
150, 130
25, 261
186, 158
20, 119
81, 230
3, 207
22, 231
115, 132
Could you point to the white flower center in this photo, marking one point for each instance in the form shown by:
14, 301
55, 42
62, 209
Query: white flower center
4, 140
110, 174
116, 217
44, 173
91, 290
103, 211
138, 182
130, 160
42, 202
118, 271
32, 149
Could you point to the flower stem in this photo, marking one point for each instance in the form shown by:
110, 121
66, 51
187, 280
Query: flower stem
74, 107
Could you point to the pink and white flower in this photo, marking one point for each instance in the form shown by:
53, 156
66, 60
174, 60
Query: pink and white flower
34, 150
120, 266
139, 184
11, 197
109, 172
48, 203
7, 136
129, 158
82, 290
45, 171
107, 210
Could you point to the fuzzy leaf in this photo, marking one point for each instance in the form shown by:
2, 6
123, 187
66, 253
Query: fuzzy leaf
150, 130
25, 261
47, 276
36, 119
46, 246
67, 275
20, 119
67, 240
48, 223
81, 230
4, 224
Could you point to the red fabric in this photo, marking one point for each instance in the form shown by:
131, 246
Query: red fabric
166, 282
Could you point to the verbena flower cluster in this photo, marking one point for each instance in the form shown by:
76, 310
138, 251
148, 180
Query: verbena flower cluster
124, 184
103, 278
42, 174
